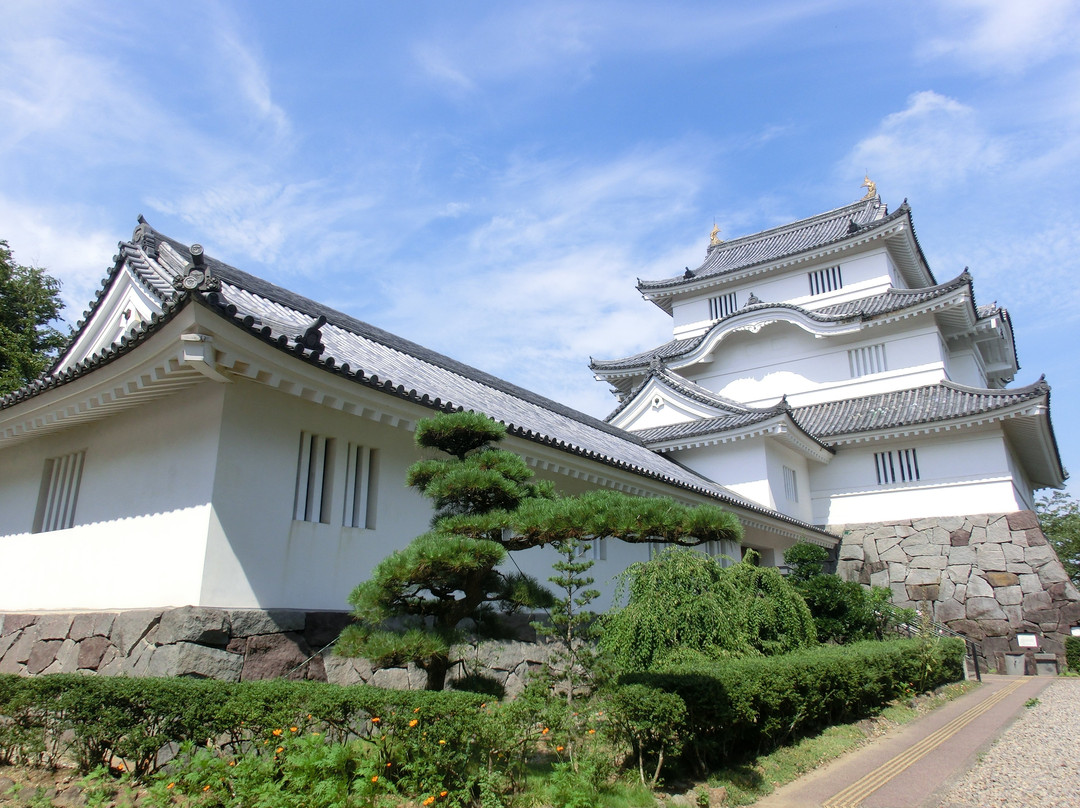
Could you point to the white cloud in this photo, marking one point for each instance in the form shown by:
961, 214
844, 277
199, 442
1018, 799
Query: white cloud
934, 142
1006, 35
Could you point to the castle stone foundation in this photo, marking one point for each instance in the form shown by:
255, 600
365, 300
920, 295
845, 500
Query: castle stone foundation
988, 577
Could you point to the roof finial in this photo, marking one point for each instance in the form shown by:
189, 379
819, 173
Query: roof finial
869, 185
714, 237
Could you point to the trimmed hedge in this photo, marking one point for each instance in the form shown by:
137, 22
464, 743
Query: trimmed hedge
740, 707
104, 718
1072, 653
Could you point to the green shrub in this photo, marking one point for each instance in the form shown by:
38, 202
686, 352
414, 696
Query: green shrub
653, 721
1072, 653
740, 707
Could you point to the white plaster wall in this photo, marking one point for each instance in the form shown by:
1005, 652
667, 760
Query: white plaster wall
863, 275
962, 472
141, 516
782, 358
741, 466
964, 367
257, 555
776, 457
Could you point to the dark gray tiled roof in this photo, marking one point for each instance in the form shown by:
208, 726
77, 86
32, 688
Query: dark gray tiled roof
865, 308
938, 402
922, 405
770, 245
380, 360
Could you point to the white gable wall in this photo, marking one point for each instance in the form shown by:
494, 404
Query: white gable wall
783, 358
962, 471
140, 519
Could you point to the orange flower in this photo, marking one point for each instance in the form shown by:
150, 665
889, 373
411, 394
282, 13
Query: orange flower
443, 793
441, 742
375, 779
292, 729
546, 731
279, 750
416, 710
170, 785
206, 787
558, 748
413, 723
232, 762
428, 801
376, 720
592, 731
277, 731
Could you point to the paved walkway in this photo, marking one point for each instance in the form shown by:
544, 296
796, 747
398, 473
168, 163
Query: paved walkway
913, 766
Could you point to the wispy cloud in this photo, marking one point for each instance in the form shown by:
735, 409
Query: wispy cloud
934, 142
998, 35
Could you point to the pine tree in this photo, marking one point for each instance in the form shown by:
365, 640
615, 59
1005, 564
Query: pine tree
418, 600
29, 301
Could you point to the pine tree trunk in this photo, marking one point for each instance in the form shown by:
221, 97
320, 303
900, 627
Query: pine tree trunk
436, 671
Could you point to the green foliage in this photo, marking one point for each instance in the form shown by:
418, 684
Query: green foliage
845, 611
29, 301
683, 605
741, 707
653, 721
1072, 653
571, 659
1059, 518
419, 600
805, 560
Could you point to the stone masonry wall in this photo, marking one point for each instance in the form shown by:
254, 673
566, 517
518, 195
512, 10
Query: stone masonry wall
988, 576
224, 644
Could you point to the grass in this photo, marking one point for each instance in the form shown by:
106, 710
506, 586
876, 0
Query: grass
748, 783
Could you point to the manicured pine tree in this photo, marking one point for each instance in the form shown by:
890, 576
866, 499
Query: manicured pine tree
486, 504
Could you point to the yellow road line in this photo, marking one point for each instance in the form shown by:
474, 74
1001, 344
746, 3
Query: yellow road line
858, 791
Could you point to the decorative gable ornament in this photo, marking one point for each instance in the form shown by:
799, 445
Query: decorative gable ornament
197, 277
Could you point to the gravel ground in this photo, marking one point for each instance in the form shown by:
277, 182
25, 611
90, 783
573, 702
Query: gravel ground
1035, 763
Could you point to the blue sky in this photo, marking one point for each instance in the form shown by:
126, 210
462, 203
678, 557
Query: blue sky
489, 179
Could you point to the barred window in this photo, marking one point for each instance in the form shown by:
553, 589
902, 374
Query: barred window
722, 306
897, 466
825, 280
59, 492
791, 487
361, 486
314, 478
866, 360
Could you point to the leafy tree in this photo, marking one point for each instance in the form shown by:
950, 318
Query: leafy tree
843, 611
29, 301
682, 606
1059, 517
419, 600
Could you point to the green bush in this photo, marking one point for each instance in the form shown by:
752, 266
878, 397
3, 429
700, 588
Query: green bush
1072, 653
740, 707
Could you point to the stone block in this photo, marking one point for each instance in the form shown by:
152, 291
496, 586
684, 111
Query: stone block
191, 659
984, 609
54, 626
1022, 520
989, 557
17, 622
978, 587
947, 610
882, 532
977, 519
960, 538
996, 628
130, 627
1019, 567
1013, 552
969, 628
1035, 538
851, 551
67, 657
997, 579
940, 536
879, 578
1009, 595
961, 555
1035, 601
894, 554
1014, 613
897, 573
848, 570
246, 622
961, 592
884, 545
919, 577
42, 655
921, 592
346, 671
870, 553
915, 550
929, 562
193, 624
322, 628
1037, 556
998, 532
1030, 583
948, 589
1051, 573
91, 624
903, 531
924, 524
91, 651
22, 648
391, 678
112, 664
270, 656
978, 535
959, 573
